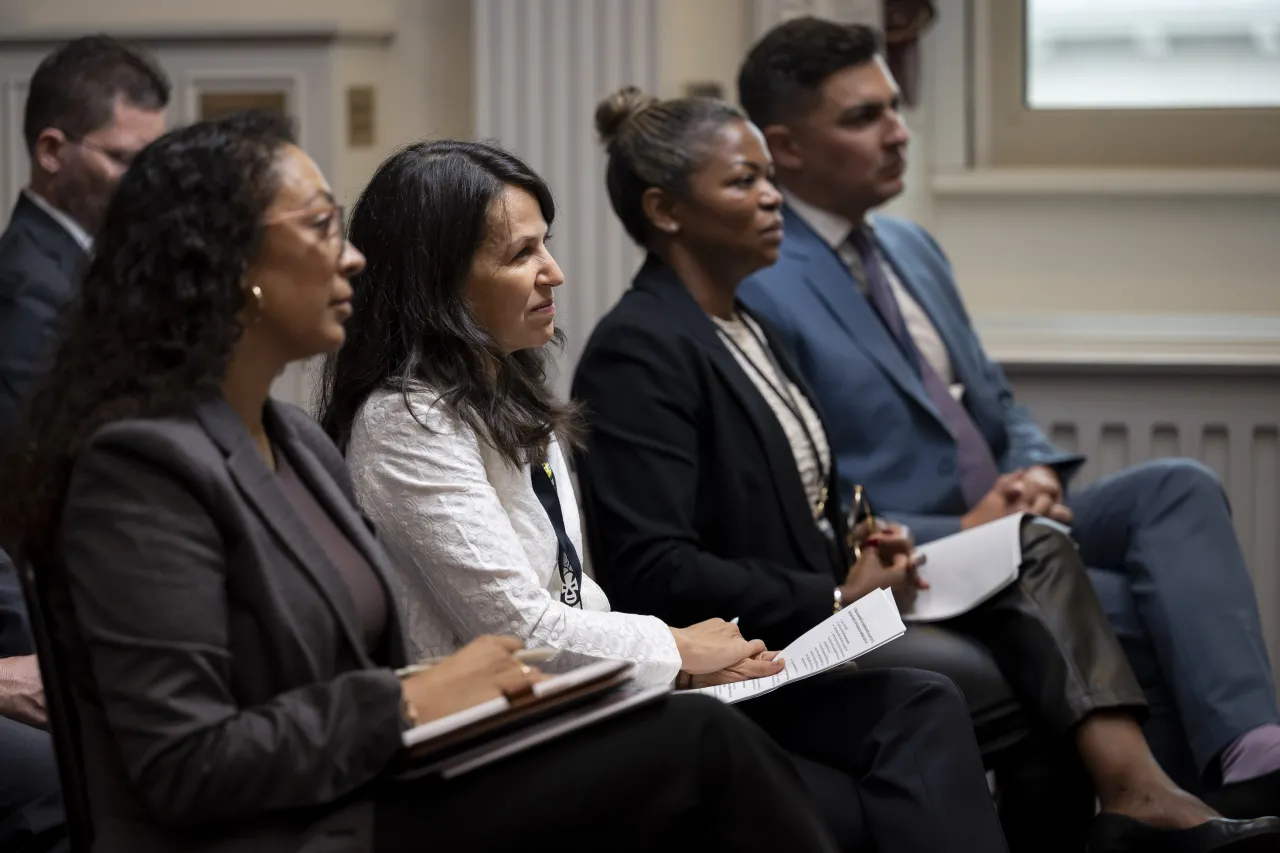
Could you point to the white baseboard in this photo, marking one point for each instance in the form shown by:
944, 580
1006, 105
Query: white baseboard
1169, 340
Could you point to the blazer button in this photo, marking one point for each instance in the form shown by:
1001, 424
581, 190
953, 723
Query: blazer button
946, 467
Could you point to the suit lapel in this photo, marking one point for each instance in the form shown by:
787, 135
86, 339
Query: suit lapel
259, 486
785, 476
348, 518
830, 280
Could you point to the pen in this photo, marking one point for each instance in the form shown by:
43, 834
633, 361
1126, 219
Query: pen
733, 621
538, 655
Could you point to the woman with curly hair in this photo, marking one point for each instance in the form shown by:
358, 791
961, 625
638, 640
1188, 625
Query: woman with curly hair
222, 607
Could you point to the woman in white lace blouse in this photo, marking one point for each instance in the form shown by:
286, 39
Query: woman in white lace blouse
455, 449
440, 434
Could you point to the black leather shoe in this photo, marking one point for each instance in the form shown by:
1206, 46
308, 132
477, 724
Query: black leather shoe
1250, 798
1113, 833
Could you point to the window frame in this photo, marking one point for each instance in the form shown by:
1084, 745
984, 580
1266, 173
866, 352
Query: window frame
1008, 134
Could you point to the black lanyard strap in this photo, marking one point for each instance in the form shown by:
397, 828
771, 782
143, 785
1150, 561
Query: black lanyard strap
781, 387
544, 486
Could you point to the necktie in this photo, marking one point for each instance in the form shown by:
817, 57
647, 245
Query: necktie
978, 469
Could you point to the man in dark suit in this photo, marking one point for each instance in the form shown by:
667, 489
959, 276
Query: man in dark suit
91, 106
921, 417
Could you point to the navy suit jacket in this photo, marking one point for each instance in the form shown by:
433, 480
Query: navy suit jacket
39, 267
886, 433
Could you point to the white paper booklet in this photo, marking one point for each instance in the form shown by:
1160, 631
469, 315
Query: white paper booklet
967, 568
868, 623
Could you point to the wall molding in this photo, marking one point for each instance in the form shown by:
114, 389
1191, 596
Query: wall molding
1132, 340
1101, 183
377, 32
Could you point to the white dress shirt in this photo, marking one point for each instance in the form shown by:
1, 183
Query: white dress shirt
474, 549
835, 230
75, 229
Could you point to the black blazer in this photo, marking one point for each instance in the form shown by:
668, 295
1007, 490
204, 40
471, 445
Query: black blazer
693, 504
39, 265
224, 697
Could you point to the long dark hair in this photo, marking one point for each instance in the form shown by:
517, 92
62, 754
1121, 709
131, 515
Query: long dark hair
419, 224
153, 327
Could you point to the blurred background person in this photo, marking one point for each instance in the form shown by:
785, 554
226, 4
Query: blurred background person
91, 105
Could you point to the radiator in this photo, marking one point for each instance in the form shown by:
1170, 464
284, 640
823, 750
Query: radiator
1228, 420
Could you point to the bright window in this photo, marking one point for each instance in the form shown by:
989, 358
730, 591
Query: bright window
1152, 54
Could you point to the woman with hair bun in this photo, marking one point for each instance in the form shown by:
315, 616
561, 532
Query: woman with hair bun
708, 488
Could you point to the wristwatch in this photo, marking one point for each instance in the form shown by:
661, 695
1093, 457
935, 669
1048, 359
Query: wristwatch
839, 601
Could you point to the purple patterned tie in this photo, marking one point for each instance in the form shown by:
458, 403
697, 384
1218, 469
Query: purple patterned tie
978, 469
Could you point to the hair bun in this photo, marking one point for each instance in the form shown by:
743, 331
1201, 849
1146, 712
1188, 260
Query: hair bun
613, 112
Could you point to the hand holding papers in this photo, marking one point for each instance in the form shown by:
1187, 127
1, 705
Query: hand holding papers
966, 569
868, 623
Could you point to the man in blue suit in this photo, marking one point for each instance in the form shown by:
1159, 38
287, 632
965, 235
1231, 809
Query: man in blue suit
926, 422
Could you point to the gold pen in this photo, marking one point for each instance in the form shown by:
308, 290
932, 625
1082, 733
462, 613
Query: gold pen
525, 656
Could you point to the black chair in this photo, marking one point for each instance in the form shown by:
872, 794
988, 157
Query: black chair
64, 724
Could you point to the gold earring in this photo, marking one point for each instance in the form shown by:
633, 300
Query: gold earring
257, 300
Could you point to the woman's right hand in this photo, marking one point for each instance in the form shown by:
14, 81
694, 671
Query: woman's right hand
894, 567
713, 645
482, 670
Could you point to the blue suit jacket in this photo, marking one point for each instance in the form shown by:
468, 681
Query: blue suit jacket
884, 430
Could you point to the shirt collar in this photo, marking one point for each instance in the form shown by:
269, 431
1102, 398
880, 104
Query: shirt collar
68, 224
831, 227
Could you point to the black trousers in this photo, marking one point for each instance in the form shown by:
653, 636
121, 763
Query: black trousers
890, 757
31, 816
689, 773
1058, 661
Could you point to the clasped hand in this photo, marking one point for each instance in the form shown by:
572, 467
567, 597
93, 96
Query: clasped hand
1036, 490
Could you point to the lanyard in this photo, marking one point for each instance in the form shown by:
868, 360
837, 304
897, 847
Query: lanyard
544, 486
788, 401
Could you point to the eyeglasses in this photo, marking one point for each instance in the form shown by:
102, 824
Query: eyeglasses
859, 512
329, 222
121, 157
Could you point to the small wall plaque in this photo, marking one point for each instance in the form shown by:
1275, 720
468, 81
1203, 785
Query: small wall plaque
360, 117
216, 105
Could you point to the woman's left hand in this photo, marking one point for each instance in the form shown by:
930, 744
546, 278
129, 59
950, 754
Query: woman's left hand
760, 666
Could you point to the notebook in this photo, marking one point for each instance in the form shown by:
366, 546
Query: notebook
491, 730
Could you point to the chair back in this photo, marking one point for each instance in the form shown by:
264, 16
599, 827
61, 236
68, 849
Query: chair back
64, 722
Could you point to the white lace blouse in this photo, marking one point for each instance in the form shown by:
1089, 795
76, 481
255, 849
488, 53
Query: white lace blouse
474, 549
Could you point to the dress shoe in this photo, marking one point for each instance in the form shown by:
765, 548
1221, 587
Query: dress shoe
1113, 833
1250, 798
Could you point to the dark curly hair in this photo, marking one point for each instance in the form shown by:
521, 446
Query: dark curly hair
654, 143
151, 331
419, 223
783, 73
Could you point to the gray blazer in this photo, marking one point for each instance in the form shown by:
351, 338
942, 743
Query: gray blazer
224, 698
